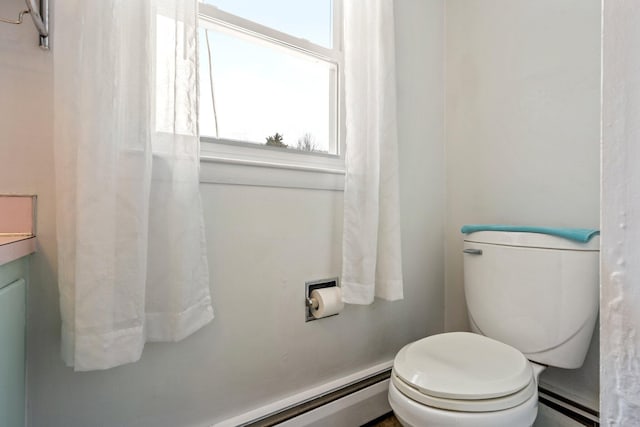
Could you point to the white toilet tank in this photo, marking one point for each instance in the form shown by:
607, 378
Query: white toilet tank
535, 292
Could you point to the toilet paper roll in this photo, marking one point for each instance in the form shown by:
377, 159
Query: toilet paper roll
329, 302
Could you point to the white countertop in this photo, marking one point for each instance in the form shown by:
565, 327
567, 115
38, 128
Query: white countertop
16, 246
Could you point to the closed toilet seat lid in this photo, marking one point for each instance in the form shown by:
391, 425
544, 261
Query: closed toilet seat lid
463, 366
477, 405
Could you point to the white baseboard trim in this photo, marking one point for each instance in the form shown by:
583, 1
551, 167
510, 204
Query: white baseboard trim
370, 396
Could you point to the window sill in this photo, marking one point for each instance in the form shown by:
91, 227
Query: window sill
224, 164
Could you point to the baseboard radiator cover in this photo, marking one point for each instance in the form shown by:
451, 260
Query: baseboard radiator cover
569, 408
356, 398
362, 397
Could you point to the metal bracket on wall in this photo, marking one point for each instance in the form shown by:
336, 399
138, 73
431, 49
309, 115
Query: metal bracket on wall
39, 11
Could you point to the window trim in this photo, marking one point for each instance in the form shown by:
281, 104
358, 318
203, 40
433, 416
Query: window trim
252, 160
242, 164
216, 16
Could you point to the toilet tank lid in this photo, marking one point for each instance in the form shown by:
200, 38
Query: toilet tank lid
531, 240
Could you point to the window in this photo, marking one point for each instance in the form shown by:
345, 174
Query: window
270, 81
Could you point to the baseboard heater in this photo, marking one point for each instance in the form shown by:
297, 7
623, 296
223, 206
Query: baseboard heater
567, 407
318, 401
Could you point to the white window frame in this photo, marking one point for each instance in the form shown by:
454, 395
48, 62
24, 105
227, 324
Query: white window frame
235, 162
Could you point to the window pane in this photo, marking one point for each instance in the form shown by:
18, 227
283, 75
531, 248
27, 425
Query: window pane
261, 89
307, 19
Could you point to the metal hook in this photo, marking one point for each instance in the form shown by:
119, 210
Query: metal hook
19, 21
39, 11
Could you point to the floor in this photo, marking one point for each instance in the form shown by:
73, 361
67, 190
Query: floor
385, 421
547, 417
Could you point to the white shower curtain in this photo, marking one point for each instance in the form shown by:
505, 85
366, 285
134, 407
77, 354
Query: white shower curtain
131, 247
372, 263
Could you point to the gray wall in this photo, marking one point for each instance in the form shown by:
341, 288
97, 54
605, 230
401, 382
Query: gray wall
263, 244
522, 132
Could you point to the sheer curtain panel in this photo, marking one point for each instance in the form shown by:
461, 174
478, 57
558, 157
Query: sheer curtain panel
372, 262
131, 245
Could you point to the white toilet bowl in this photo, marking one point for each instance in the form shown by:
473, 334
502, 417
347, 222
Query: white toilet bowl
464, 380
413, 414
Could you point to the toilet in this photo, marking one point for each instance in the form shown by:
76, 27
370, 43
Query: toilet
532, 301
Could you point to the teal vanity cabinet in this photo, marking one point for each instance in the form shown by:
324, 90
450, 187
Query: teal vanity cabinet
12, 342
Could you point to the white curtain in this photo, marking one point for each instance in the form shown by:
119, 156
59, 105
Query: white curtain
131, 246
372, 262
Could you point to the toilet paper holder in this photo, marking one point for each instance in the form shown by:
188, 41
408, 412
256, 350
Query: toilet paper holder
311, 302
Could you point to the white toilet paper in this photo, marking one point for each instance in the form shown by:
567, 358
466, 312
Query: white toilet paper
329, 302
